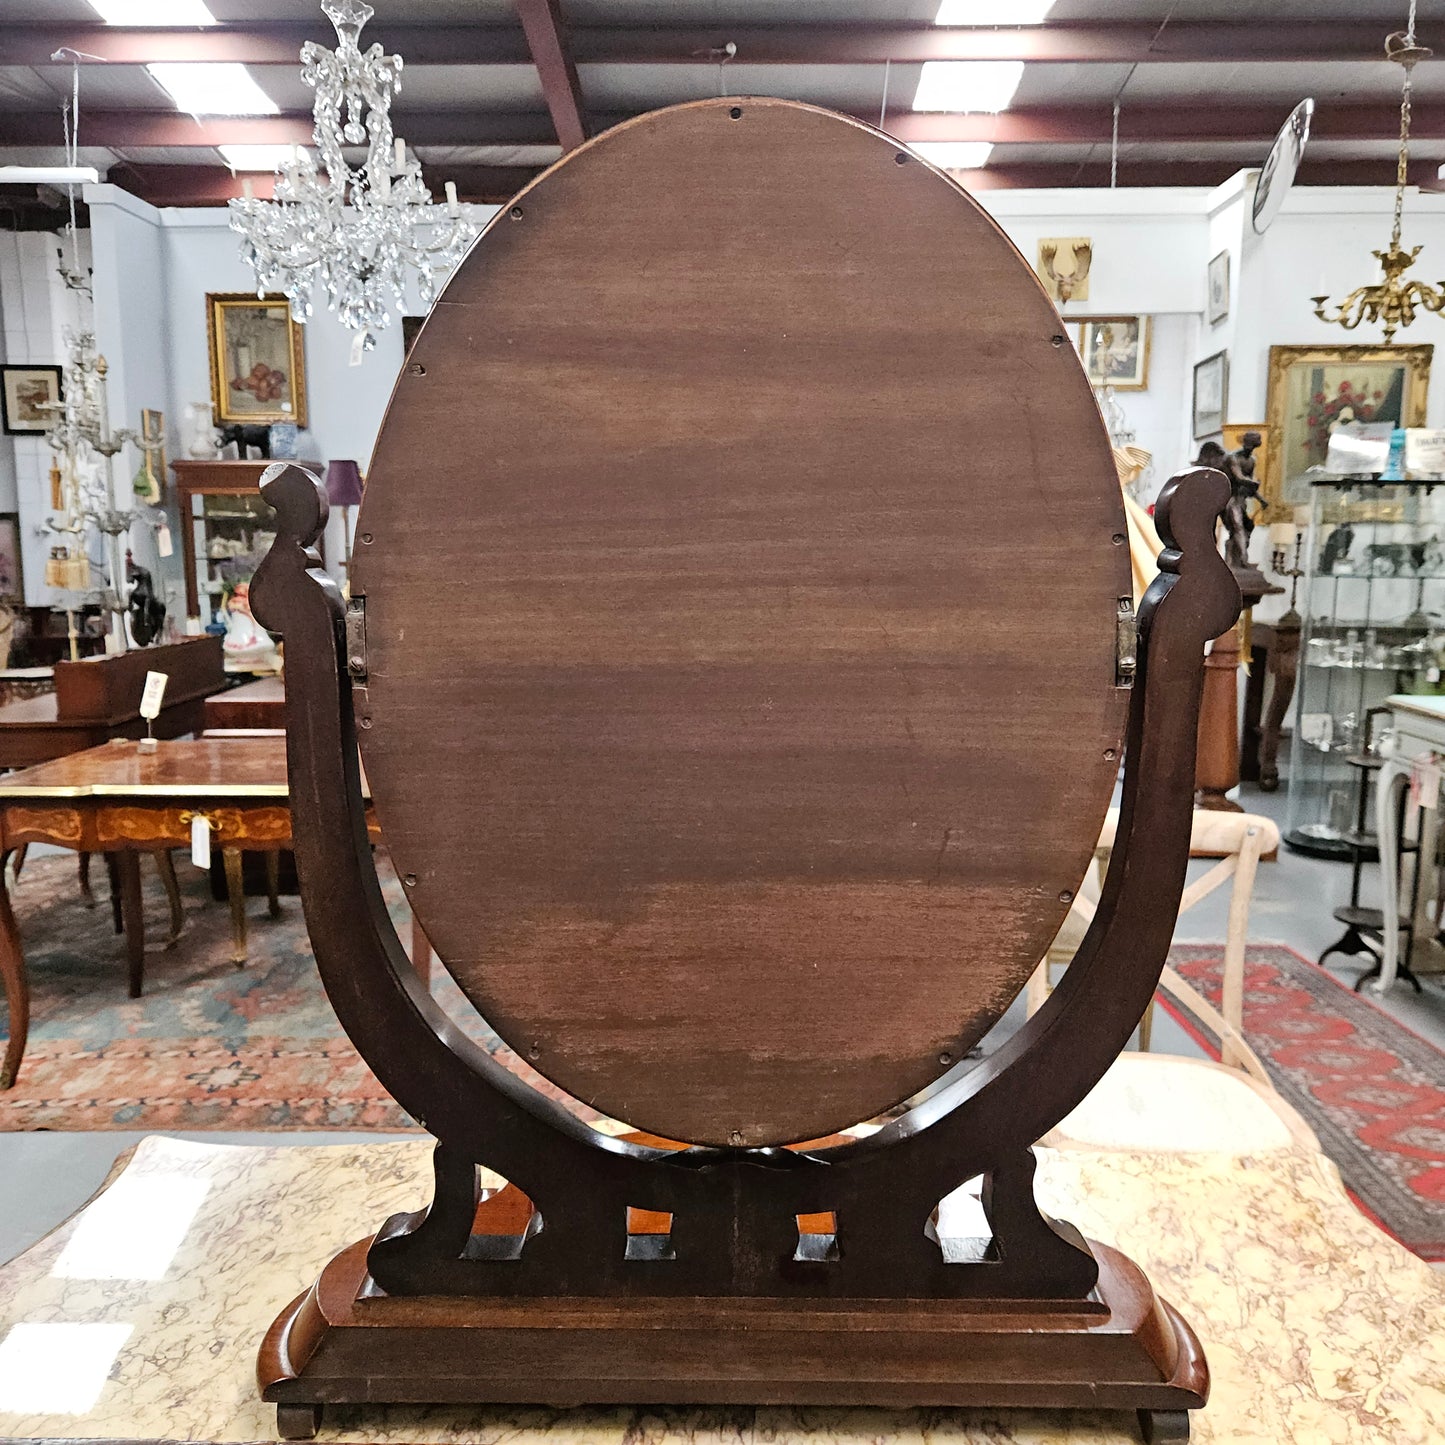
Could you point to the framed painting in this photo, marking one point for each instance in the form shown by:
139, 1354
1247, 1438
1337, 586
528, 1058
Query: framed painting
25, 394
1315, 389
1115, 351
1218, 289
1211, 386
258, 369
11, 578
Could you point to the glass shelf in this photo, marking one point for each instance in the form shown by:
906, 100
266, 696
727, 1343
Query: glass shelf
1374, 624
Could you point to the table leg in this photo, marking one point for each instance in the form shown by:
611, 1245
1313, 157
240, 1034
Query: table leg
166, 866
273, 883
236, 896
87, 897
133, 915
1388, 786
17, 986
421, 954
112, 873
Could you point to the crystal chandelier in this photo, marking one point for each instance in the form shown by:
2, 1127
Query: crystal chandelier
1392, 302
356, 230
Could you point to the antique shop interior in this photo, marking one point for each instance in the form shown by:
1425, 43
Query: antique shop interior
722, 719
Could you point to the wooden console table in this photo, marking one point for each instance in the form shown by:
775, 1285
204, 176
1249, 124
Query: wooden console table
115, 799
259, 704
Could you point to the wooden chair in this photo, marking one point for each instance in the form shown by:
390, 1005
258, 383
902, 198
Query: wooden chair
750, 704
1240, 841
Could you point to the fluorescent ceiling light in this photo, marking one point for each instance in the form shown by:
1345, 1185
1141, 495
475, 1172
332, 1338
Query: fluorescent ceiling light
257, 157
967, 85
991, 12
48, 175
152, 12
955, 155
212, 88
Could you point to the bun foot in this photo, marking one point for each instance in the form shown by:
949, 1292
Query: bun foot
1164, 1427
301, 1422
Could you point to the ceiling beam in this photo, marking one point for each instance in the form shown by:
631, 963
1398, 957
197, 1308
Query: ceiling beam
1169, 124
542, 22
169, 185
1121, 43
166, 185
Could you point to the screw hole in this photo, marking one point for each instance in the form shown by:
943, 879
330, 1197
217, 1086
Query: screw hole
366, 539
366, 722
901, 159
945, 1057
1056, 340
1110, 755
410, 880
735, 1138
736, 112
1065, 896
515, 213
1118, 539
535, 1052
416, 369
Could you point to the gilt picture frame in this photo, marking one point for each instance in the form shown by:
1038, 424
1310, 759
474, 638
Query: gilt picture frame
1312, 390
257, 362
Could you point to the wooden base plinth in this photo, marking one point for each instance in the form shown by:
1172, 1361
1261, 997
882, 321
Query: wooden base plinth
340, 1343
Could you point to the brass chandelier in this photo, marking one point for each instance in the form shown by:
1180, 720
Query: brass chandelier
1392, 302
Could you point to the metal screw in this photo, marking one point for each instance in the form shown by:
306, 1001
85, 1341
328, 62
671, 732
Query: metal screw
535, 1052
1056, 341
735, 1138
901, 159
945, 1057
1117, 539
358, 663
736, 112
366, 539
366, 722
1065, 896
515, 213
1109, 755
410, 880
416, 369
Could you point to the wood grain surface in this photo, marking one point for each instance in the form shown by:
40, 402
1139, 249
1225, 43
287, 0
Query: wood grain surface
740, 560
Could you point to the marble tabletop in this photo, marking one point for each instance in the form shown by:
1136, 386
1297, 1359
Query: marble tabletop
139, 1317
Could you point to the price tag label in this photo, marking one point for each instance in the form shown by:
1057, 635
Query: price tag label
201, 841
164, 545
155, 690
1425, 781
358, 348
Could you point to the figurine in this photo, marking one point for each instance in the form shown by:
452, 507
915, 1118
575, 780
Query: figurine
247, 643
147, 611
1337, 549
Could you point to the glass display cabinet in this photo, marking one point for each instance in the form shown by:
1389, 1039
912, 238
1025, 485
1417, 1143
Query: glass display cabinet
1374, 625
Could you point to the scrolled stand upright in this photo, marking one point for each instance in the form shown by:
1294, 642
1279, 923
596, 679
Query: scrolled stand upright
433, 1310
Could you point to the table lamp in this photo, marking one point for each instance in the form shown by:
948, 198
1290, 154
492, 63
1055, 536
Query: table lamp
343, 489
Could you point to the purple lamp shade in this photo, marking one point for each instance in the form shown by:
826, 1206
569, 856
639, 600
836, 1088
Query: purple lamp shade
343, 484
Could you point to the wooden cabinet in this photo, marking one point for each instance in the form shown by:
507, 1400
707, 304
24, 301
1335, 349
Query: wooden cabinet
226, 527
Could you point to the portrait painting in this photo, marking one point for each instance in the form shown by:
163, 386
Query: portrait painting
1314, 390
1115, 351
26, 395
258, 371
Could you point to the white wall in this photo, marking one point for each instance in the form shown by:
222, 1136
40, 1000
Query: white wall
37, 310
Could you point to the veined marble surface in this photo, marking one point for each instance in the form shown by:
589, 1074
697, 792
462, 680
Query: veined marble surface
140, 1317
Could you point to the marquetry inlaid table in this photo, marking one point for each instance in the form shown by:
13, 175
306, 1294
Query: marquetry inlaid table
119, 800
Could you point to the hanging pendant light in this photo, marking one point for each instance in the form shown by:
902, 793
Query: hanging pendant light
1393, 301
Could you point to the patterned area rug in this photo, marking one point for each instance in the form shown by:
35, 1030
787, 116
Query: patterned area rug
1373, 1092
209, 1046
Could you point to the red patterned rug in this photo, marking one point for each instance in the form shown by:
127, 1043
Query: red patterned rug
1373, 1092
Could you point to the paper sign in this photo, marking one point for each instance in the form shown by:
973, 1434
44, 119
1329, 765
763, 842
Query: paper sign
1425, 781
201, 841
358, 348
150, 699
164, 545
